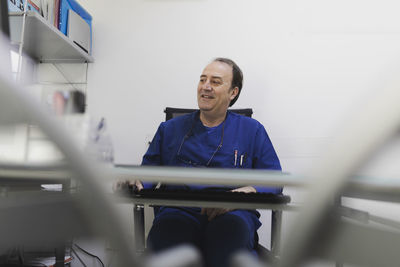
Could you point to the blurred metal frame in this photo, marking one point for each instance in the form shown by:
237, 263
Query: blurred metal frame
17, 107
366, 129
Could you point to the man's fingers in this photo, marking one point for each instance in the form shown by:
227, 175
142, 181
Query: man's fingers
227, 210
120, 184
208, 211
214, 214
245, 189
203, 211
139, 185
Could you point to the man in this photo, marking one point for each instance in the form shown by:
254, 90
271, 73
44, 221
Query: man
211, 137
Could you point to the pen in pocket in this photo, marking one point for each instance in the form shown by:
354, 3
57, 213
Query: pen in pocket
236, 154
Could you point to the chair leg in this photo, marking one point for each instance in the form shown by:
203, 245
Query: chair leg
138, 223
276, 225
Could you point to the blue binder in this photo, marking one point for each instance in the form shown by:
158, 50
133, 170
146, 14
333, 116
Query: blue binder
65, 5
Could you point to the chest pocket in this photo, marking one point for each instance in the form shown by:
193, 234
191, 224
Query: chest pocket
233, 157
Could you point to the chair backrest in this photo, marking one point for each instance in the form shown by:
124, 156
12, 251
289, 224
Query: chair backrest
176, 112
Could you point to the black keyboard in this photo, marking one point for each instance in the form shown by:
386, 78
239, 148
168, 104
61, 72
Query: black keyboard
207, 195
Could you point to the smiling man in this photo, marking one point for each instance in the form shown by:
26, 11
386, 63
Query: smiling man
211, 137
215, 92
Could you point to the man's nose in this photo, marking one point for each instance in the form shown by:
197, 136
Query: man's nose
207, 86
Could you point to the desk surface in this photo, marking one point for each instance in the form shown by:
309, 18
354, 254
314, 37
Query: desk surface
209, 204
379, 188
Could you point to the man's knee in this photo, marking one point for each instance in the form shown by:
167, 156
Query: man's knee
228, 225
225, 235
171, 230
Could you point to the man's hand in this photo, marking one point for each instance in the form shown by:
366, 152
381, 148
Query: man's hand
214, 212
121, 184
246, 189
139, 185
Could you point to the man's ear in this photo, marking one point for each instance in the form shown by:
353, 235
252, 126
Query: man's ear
234, 93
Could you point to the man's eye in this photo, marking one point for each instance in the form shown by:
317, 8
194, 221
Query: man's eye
202, 80
216, 82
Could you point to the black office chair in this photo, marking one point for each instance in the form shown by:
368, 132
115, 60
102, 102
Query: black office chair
276, 215
171, 113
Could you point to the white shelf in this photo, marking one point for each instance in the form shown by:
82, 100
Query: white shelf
43, 41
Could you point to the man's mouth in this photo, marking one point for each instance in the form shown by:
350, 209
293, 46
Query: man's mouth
207, 96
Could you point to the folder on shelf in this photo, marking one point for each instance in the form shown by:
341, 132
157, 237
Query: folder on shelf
79, 31
65, 6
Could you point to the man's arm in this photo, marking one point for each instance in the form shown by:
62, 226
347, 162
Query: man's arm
214, 212
152, 157
265, 158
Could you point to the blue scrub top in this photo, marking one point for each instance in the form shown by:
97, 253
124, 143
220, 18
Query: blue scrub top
185, 141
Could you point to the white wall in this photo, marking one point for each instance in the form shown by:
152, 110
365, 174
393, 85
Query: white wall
305, 63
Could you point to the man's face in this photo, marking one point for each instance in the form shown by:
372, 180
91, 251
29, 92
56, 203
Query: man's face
213, 92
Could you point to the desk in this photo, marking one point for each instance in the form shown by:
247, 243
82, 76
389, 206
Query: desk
367, 187
216, 204
208, 176
363, 187
379, 188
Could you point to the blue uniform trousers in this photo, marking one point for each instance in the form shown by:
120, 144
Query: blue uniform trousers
217, 239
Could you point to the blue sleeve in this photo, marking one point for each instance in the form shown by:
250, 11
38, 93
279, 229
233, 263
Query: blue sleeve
153, 153
265, 158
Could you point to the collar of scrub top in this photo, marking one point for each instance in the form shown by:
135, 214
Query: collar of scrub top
196, 117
